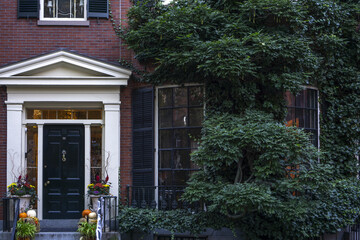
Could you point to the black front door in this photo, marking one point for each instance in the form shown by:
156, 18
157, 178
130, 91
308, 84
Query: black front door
63, 171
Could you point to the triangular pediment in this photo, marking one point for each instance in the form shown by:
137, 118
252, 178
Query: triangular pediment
63, 68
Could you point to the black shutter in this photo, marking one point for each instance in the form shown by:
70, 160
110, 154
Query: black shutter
143, 137
98, 8
28, 8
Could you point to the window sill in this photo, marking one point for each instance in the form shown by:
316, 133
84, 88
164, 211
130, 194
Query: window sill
63, 23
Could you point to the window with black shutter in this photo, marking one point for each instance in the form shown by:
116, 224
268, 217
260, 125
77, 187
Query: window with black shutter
56, 10
143, 137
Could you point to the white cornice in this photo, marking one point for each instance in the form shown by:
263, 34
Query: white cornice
89, 81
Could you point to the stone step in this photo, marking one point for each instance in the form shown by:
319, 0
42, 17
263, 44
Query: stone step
58, 225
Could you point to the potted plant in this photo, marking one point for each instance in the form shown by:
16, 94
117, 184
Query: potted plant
98, 189
87, 230
23, 190
25, 230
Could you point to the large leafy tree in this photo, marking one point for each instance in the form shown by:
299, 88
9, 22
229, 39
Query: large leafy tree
257, 174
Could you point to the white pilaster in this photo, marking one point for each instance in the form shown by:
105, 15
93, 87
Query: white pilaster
112, 144
40, 170
15, 158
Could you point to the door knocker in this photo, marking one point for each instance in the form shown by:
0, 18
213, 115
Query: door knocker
63, 155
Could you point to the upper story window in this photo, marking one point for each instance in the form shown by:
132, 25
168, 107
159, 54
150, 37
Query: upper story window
303, 112
63, 9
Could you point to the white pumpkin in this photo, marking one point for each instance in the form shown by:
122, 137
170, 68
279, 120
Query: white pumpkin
31, 213
92, 215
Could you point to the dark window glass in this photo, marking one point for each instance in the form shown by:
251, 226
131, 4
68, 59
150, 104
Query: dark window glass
303, 112
180, 120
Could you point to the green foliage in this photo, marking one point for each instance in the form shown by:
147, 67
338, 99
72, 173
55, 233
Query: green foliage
25, 230
150, 220
258, 171
248, 53
87, 230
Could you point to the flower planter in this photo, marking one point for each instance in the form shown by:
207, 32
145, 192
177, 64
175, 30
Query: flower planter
24, 201
94, 201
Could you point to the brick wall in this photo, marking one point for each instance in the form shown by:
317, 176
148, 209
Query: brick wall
23, 38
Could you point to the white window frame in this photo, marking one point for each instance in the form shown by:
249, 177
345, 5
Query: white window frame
43, 7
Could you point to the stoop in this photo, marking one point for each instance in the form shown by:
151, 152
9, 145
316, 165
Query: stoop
61, 229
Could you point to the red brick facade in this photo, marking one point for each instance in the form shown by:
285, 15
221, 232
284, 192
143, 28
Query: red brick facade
22, 39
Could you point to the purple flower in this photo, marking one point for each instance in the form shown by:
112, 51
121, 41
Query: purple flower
96, 192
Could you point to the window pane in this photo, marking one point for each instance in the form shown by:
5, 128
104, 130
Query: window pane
49, 114
312, 99
64, 9
195, 136
290, 118
32, 155
290, 99
180, 96
36, 114
196, 96
64, 114
166, 138
300, 99
165, 118
165, 97
96, 146
94, 114
181, 177
79, 114
182, 159
181, 138
180, 117
165, 178
30, 113
196, 116
93, 173
79, 8
300, 118
165, 159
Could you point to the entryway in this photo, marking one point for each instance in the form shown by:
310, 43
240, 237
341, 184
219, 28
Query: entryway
63, 171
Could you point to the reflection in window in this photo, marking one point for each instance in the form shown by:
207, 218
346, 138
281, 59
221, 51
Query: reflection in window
31, 154
63, 114
180, 112
96, 153
303, 112
64, 8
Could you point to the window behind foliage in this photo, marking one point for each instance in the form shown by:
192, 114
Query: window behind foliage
303, 112
180, 115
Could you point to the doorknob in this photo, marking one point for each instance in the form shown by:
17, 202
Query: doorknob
63, 155
47, 183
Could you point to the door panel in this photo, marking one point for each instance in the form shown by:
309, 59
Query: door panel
63, 171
